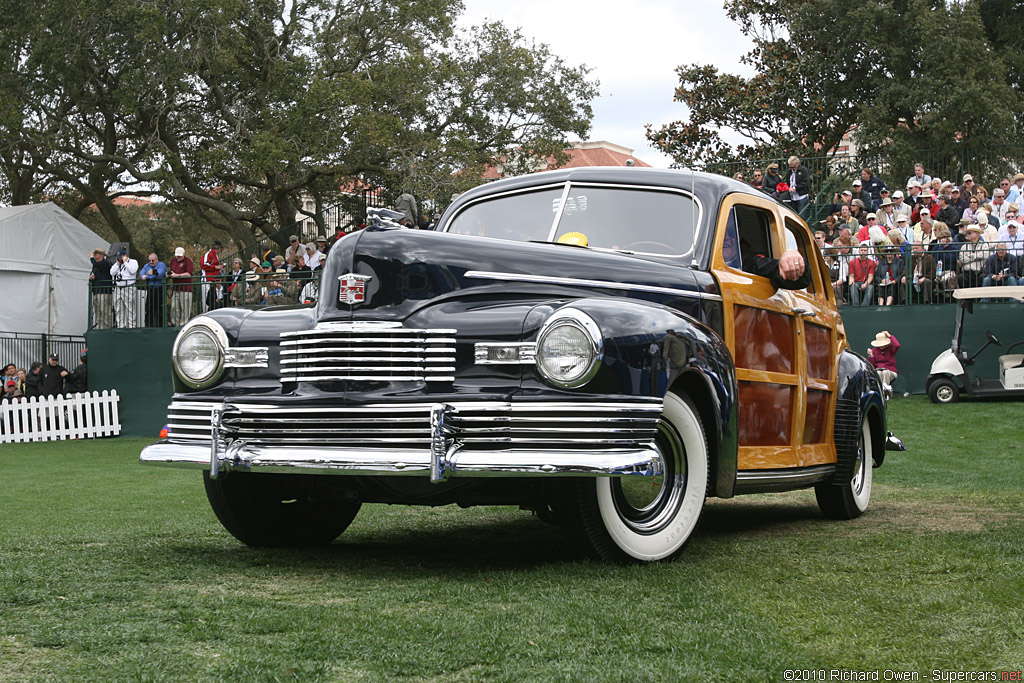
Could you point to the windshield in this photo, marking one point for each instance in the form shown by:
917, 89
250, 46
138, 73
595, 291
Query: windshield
647, 221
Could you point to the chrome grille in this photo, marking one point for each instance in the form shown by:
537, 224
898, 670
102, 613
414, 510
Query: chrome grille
368, 351
188, 422
476, 426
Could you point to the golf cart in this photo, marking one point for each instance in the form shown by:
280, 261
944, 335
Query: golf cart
949, 374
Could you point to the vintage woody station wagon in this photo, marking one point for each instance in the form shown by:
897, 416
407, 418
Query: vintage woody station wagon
582, 343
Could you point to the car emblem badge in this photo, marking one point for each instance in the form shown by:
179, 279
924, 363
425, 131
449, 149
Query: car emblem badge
352, 289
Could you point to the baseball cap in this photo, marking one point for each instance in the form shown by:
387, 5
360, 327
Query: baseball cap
898, 194
293, 238
179, 251
871, 215
901, 218
54, 356
968, 176
11, 383
265, 264
847, 192
857, 183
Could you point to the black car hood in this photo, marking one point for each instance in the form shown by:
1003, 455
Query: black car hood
412, 269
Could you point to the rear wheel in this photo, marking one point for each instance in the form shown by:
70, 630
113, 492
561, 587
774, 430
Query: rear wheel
277, 509
943, 390
630, 519
850, 499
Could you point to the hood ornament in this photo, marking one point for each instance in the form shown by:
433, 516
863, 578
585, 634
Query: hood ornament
352, 288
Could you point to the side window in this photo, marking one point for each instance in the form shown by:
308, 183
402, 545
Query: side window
753, 227
731, 243
796, 239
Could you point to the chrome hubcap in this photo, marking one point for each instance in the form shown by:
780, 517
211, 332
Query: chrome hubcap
945, 393
857, 483
646, 504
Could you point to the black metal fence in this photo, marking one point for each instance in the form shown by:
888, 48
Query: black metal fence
23, 349
915, 273
163, 303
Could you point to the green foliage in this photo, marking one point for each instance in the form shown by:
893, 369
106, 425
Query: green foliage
110, 571
904, 75
237, 108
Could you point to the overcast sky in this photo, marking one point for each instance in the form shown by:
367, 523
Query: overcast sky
632, 48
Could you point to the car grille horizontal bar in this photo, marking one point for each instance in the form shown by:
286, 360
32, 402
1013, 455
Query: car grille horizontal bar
475, 426
368, 352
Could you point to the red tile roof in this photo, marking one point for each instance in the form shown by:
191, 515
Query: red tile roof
597, 153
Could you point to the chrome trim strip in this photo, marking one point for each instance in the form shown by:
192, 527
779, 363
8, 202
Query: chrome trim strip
260, 357
527, 353
755, 481
644, 461
215, 421
577, 282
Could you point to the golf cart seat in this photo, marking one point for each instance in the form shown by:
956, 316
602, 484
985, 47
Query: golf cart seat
1011, 360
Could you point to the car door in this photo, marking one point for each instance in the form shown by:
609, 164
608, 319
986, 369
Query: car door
766, 330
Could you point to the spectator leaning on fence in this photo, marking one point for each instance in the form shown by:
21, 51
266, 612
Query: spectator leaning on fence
182, 271
153, 274
101, 285
124, 273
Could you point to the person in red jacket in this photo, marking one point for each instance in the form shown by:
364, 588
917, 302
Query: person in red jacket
210, 265
882, 355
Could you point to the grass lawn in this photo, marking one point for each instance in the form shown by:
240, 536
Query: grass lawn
114, 571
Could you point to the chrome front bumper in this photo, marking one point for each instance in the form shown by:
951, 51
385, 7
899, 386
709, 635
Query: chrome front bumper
440, 439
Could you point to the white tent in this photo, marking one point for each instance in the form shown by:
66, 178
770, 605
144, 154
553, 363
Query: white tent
44, 270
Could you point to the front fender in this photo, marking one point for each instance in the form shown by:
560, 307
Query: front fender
946, 363
859, 386
650, 350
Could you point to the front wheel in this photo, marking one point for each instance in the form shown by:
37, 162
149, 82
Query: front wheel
278, 510
849, 500
943, 390
632, 518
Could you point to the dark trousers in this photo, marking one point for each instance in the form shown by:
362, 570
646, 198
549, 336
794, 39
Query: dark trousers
154, 307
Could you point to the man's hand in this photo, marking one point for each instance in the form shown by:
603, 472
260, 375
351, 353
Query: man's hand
791, 265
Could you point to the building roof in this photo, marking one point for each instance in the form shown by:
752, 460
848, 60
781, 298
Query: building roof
581, 154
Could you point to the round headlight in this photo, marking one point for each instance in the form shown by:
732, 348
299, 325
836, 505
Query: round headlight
199, 353
569, 349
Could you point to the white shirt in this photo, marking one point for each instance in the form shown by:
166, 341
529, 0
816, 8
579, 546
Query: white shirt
124, 273
1015, 244
313, 260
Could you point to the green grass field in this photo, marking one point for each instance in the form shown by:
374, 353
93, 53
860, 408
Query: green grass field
114, 571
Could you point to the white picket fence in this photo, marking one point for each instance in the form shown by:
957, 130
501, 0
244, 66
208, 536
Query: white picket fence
79, 416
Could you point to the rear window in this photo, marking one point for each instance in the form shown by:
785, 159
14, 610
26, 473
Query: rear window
644, 221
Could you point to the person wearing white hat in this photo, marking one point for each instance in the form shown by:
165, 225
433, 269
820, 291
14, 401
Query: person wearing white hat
968, 185
900, 206
1012, 235
924, 203
971, 258
882, 355
180, 270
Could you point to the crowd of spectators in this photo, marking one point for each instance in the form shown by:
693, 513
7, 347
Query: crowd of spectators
884, 247
44, 379
167, 294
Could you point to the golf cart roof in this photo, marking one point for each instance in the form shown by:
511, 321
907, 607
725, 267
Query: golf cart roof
989, 293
